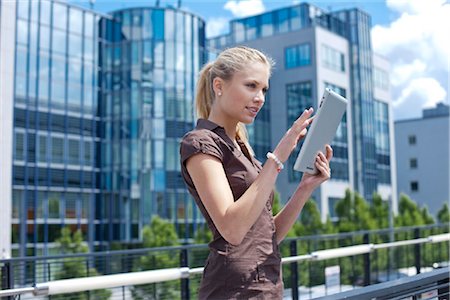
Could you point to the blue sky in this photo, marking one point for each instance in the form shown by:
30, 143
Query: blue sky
411, 34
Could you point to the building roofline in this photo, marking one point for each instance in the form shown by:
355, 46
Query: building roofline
159, 7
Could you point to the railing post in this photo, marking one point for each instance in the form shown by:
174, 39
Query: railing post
366, 240
417, 250
7, 279
184, 262
294, 271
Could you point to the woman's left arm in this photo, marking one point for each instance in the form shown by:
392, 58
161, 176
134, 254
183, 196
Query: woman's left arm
286, 218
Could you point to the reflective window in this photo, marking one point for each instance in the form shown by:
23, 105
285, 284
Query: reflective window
158, 24
251, 29
20, 86
380, 78
76, 20
89, 24
21, 62
59, 15
75, 45
74, 96
58, 94
45, 12
332, 59
57, 150
22, 32
267, 24
297, 56
238, 32
42, 148
58, 67
54, 200
88, 153
59, 41
71, 205
22, 9
19, 150
158, 154
44, 38
299, 98
283, 20
34, 10
147, 26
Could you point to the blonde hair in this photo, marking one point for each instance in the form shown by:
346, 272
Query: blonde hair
225, 66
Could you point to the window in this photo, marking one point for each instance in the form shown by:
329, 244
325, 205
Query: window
412, 140
414, 186
299, 97
297, 56
380, 79
333, 59
19, 153
57, 150
413, 163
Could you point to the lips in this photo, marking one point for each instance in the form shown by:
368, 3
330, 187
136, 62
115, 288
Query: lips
253, 110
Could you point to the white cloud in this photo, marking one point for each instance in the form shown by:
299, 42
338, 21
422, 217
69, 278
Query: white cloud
244, 8
216, 26
418, 47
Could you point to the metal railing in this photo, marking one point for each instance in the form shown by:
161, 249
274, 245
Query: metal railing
155, 276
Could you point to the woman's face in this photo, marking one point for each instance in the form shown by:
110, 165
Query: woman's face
244, 94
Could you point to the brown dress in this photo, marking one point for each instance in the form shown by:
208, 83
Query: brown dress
250, 270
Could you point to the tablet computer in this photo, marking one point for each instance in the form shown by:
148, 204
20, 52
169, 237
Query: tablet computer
322, 130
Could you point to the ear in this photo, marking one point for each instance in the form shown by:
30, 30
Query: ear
218, 85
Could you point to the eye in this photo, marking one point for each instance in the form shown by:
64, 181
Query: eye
251, 85
264, 90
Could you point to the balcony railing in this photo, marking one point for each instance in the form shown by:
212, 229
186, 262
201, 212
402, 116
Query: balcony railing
364, 258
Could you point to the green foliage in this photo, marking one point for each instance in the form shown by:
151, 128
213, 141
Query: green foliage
160, 233
409, 214
203, 235
69, 243
443, 214
379, 212
310, 222
354, 213
276, 206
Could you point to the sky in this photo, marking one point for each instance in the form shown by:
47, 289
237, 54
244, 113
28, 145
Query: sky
412, 34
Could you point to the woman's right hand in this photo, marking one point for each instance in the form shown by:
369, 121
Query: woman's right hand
297, 131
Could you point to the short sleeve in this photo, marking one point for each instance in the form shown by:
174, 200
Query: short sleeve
199, 142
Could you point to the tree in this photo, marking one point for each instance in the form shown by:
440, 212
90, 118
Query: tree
69, 243
160, 233
379, 212
443, 214
354, 213
409, 214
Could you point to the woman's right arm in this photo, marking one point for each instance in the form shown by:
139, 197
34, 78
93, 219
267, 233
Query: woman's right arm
232, 218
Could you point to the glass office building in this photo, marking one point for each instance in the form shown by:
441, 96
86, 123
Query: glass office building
148, 70
100, 102
55, 142
314, 49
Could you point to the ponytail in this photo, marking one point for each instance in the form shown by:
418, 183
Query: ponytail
204, 96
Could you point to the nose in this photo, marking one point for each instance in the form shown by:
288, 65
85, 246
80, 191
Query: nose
259, 97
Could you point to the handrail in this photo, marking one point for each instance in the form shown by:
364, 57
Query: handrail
161, 275
199, 246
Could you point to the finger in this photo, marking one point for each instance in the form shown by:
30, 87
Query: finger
304, 120
323, 169
323, 163
329, 152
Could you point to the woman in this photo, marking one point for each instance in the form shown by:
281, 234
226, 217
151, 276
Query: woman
232, 189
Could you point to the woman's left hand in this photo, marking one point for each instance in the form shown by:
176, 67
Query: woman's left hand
323, 166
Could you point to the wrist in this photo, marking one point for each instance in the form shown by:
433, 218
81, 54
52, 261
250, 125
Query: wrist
275, 159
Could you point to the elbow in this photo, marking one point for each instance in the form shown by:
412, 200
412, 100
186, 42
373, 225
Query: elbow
233, 237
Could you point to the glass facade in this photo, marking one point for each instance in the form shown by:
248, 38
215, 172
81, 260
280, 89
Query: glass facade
339, 164
148, 76
100, 105
361, 79
55, 122
332, 59
298, 98
382, 142
297, 56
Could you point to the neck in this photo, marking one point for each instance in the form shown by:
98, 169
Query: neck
228, 124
